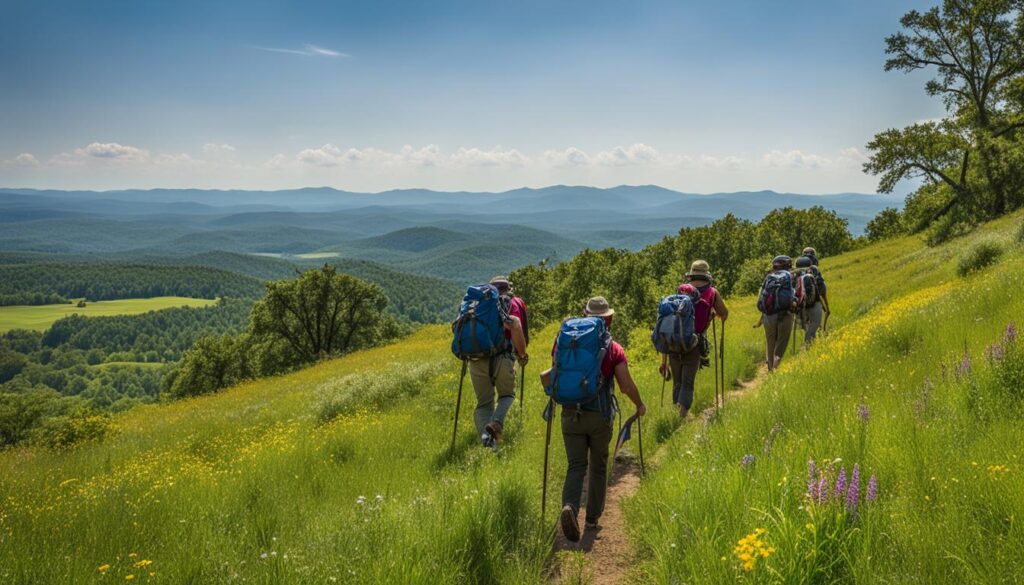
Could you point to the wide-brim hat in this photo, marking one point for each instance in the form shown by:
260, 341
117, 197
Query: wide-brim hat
598, 307
502, 283
809, 251
699, 270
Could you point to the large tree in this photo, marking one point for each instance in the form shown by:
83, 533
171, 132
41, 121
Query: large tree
976, 49
322, 313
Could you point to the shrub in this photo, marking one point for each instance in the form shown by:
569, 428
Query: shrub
374, 390
982, 255
66, 431
751, 275
1020, 233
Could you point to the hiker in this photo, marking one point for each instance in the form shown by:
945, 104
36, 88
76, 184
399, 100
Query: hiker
777, 302
487, 310
811, 293
682, 368
587, 426
810, 253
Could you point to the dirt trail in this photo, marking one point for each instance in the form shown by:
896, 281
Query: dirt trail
608, 554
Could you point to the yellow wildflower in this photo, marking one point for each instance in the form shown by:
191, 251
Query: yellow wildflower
129, 577
103, 568
142, 563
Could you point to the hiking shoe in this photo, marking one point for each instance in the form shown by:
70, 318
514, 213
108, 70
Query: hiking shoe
570, 526
488, 441
494, 429
705, 362
591, 524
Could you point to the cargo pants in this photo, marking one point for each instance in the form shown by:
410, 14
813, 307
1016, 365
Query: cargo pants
588, 436
777, 329
684, 368
490, 377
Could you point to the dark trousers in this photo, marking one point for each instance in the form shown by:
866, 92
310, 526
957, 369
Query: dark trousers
684, 368
587, 438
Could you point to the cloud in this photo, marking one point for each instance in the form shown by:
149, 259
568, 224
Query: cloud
797, 159
112, 150
309, 51
25, 159
475, 157
636, 154
216, 149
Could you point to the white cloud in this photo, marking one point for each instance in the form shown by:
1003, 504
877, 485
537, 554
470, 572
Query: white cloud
309, 50
636, 154
218, 149
113, 150
327, 155
570, 157
475, 157
25, 159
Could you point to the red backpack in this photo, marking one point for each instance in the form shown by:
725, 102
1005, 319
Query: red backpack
702, 310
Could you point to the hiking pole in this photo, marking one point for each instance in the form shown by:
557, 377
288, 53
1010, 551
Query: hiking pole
721, 363
458, 403
714, 336
522, 386
640, 438
550, 414
663, 380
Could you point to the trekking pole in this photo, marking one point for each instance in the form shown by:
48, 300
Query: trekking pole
458, 403
714, 336
547, 443
640, 438
721, 363
663, 380
522, 386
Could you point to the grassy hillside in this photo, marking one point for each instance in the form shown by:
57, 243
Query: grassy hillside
39, 318
273, 490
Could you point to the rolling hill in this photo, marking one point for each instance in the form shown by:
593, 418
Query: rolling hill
274, 490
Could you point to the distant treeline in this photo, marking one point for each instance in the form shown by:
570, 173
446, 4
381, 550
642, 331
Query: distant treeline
99, 282
27, 298
739, 252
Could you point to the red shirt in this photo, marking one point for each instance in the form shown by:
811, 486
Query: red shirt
516, 308
614, 356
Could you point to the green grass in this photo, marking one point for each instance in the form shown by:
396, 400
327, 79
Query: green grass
277, 480
39, 318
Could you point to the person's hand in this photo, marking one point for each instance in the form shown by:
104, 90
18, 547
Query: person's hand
663, 370
641, 409
522, 360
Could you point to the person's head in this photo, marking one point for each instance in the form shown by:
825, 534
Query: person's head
809, 251
598, 307
803, 262
700, 273
502, 284
782, 263
689, 290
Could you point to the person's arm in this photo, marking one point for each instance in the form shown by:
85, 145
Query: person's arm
663, 368
720, 308
628, 387
518, 340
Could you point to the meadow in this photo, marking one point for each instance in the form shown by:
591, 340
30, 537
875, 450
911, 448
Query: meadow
341, 472
40, 317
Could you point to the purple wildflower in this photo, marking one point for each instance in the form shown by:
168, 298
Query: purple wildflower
873, 488
822, 490
863, 412
747, 461
841, 483
963, 368
995, 352
812, 479
853, 492
1010, 335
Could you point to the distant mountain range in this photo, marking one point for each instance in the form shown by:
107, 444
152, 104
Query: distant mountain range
461, 236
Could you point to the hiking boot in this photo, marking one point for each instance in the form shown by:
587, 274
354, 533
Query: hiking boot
591, 524
683, 411
705, 361
488, 441
494, 429
570, 526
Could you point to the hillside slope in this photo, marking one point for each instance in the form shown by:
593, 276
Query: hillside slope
270, 491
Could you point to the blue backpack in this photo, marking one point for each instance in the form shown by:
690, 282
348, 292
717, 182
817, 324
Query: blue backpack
777, 293
580, 348
479, 330
673, 331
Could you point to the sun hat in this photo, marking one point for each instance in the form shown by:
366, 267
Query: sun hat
782, 262
598, 307
501, 283
699, 270
809, 251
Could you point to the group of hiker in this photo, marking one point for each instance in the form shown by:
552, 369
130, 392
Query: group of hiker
491, 335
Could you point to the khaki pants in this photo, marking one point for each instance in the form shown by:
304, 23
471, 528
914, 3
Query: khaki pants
777, 329
684, 368
587, 436
810, 320
497, 374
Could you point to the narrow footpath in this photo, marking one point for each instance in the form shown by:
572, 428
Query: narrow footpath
607, 554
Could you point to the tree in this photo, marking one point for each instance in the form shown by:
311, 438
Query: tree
887, 224
321, 314
976, 48
214, 362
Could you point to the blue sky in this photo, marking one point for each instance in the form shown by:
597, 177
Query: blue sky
697, 96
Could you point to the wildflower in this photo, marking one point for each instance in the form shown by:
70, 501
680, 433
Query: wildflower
263, 555
1010, 335
379, 498
872, 488
747, 461
863, 412
963, 368
143, 563
103, 568
129, 577
840, 490
853, 492
822, 490
752, 547
361, 500
812, 478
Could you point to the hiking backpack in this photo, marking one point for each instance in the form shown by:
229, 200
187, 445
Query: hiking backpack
479, 330
809, 285
777, 293
580, 348
674, 330
702, 310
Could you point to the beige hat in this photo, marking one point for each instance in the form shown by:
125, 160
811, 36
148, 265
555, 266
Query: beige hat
502, 283
699, 270
598, 307
809, 251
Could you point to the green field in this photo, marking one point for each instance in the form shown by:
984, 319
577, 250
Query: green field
40, 317
273, 490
